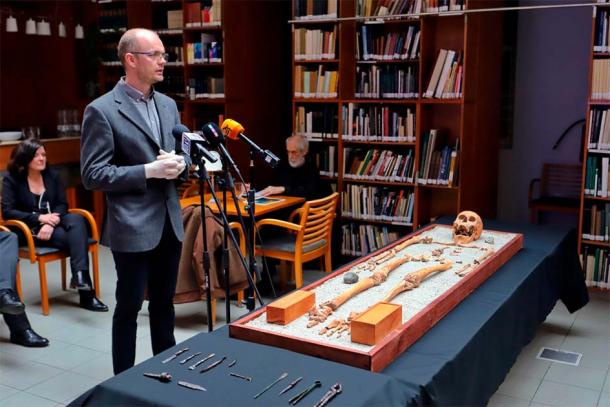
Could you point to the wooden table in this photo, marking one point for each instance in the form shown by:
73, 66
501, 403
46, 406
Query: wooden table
287, 201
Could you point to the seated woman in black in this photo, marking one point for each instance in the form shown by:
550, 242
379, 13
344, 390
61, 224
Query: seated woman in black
32, 193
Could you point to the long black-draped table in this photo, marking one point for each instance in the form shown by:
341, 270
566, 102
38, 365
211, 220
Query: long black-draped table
460, 361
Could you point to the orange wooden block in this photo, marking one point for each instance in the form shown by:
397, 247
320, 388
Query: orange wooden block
290, 307
375, 323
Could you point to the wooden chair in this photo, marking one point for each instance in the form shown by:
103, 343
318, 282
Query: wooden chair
17, 276
559, 190
43, 255
304, 241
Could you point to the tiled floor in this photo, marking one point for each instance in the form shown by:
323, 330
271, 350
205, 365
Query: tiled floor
79, 354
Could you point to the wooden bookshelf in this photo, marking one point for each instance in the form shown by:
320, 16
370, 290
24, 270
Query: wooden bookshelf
470, 119
593, 220
253, 61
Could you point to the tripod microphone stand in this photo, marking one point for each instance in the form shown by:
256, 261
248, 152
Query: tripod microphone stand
204, 178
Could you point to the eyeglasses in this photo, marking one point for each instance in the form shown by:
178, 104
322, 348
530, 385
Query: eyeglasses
153, 54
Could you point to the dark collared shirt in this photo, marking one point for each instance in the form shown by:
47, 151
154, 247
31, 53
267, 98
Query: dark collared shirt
145, 105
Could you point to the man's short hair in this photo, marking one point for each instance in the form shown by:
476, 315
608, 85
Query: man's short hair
302, 141
128, 42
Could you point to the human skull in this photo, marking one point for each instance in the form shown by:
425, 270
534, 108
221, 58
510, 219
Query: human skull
467, 227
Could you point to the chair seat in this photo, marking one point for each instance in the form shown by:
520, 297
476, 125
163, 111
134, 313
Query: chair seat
286, 243
42, 250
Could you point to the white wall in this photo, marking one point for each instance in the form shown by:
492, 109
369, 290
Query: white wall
550, 94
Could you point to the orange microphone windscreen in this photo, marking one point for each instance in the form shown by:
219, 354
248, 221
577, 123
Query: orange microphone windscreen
232, 129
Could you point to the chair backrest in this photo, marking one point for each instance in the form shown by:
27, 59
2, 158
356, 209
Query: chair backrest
560, 180
317, 219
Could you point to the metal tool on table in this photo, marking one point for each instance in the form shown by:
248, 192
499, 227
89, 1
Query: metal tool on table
282, 377
233, 363
304, 393
330, 394
291, 385
246, 378
191, 386
163, 377
212, 365
183, 361
175, 355
193, 367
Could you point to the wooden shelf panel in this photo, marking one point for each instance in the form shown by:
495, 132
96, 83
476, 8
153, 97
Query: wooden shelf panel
388, 61
315, 100
376, 222
382, 143
383, 183
599, 102
380, 101
597, 198
455, 101
595, 243
444, 187
315, 61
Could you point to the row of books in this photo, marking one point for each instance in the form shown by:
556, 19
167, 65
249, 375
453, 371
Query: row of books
596, 176
446, 79
317, 123
326, 159
393, 7
203, 14
378, 204
600, 88
112, 18
596, 266
208, 50
380, 46
599, 129
596, 223
208, 87
360, 240
377, 123
378, 165
391, 82
601, 42
318, 83
304, 9
314, 44
437, 165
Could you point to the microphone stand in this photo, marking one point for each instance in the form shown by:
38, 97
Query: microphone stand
203, 176
250, 207
251, 268
227, 183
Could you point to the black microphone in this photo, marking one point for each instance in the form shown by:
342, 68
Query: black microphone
177, 133
191, 144
214, 136
234, 130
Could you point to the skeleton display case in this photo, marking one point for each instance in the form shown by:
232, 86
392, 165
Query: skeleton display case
427, 273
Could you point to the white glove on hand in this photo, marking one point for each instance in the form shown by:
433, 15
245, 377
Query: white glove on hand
166, 166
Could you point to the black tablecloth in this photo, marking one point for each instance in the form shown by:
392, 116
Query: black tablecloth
461, 361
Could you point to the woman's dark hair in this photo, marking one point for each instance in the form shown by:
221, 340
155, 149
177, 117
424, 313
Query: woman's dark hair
21, 157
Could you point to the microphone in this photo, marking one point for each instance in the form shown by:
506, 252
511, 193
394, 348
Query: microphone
191, 144
177, 133
214, 136
235, 131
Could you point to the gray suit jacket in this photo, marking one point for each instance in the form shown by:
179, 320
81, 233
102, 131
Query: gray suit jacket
116, 142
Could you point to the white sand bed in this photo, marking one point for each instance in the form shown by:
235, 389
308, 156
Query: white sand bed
412, 301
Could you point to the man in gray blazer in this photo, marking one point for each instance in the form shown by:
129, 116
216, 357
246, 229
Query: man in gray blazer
127, 152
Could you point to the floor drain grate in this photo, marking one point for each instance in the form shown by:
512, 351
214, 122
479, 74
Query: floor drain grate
559, 356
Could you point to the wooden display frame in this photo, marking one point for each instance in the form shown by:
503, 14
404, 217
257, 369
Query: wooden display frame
396, 341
